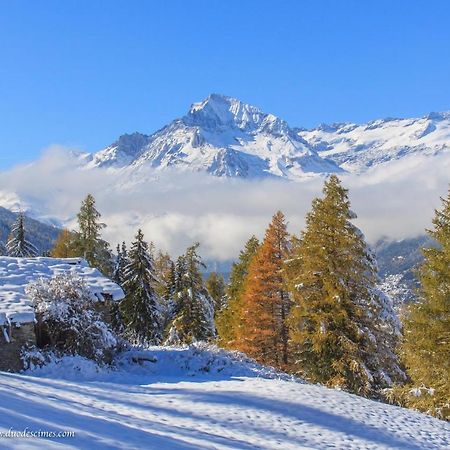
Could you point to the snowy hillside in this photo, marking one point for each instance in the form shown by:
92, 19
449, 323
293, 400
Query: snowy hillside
226, 137
199, 399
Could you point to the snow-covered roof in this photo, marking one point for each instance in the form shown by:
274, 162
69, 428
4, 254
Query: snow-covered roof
16, 273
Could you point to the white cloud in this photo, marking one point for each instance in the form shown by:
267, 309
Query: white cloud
175, 210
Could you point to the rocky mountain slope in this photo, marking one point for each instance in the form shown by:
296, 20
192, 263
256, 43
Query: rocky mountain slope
356, 148
398, 262
228, 138
221, 136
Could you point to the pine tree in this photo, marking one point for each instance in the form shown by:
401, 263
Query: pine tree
426, 345
89, 243
264, 333
65, 245
228, 320
337, 328
215, 284
3, 250
140, 308
18, 246
194, 308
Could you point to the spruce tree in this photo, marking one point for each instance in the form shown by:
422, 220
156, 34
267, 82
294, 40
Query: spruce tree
426, 344
215, 284
228, 320
18, 246
194, 309
3, 250
338, 332
120, 264
180, 271
141, 309
89, 243
264, 333
170, 288
121, 261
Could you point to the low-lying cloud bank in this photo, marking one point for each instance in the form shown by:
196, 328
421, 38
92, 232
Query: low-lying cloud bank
175, 209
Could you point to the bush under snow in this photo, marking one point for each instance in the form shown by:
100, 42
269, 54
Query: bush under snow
65, 309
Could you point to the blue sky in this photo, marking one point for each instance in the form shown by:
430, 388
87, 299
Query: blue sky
80, 73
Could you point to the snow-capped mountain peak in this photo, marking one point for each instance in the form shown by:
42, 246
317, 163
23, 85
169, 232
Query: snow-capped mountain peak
122, 152
357, 148
221, 136
221, 112
226, 137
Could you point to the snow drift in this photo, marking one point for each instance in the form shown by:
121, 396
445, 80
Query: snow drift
200, 398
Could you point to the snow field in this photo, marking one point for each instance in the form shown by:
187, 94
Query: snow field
199, 398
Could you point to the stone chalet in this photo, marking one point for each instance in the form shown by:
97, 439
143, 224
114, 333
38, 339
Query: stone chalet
18, 325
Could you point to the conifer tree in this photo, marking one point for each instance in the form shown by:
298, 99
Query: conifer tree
120, 264
140, 308
168, 296
180, 271
3, 250
215, 284
171, 284
266, 302
18, 246
426, 344
89, 243
229, 319
338, 332
165, 287
163, 267
65, 245
194, 308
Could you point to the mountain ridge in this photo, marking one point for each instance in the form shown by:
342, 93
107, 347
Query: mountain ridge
225, 137
221, 136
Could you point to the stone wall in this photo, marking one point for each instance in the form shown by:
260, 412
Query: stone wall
10, 352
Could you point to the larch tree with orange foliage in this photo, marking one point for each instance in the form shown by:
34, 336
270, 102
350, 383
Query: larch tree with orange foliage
266, 303
65, 245
229, 318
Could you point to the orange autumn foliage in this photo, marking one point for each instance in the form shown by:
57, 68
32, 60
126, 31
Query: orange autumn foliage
264, 334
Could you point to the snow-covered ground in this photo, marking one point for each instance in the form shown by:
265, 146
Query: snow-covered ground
194, 399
